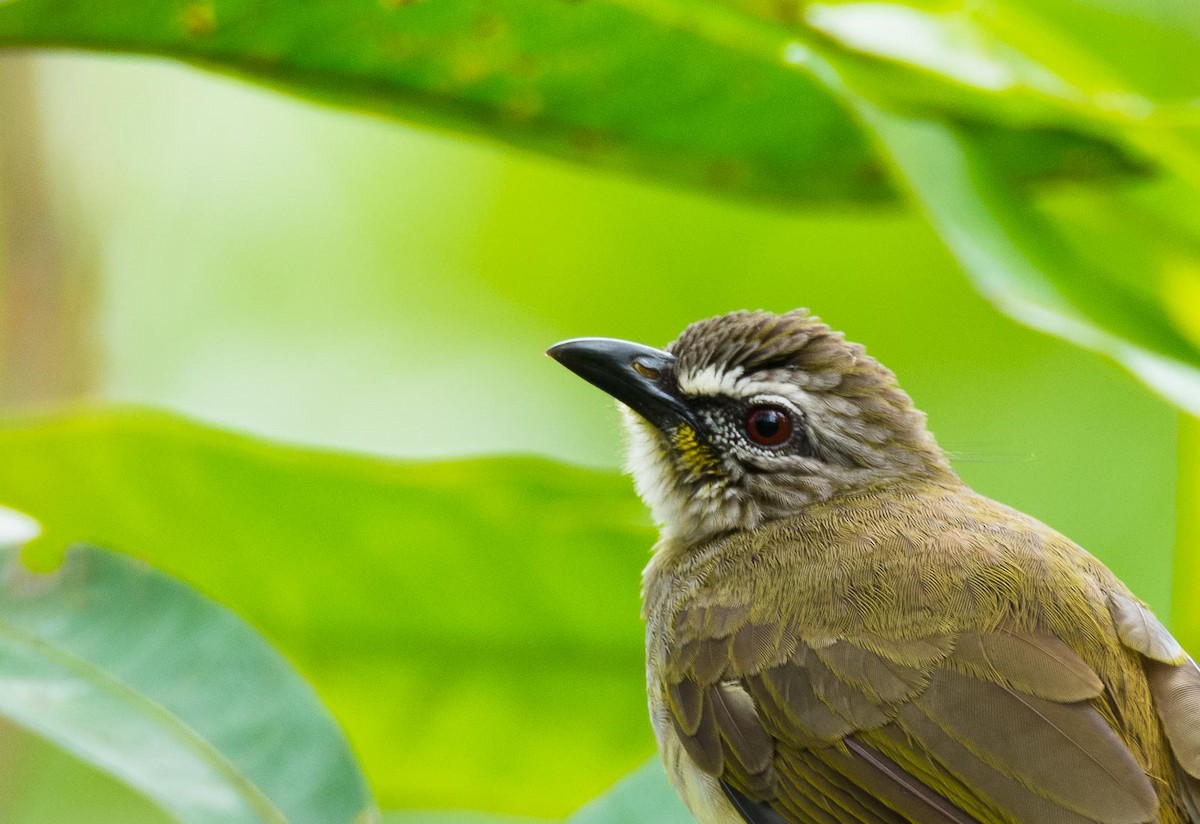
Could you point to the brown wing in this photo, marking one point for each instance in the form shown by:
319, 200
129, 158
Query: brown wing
1175, 684
998, 726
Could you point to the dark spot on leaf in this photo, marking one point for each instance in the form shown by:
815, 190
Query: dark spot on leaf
588, 140
525, 66
198, 19
399, 46
788, 12
725, 174
489, 26
470, 67
871, 173
522, 104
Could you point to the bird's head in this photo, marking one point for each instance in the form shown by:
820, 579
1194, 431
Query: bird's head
752, 416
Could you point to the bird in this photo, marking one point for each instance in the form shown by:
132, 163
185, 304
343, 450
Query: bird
839, 629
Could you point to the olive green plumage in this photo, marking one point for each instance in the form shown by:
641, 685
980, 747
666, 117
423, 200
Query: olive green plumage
839, 630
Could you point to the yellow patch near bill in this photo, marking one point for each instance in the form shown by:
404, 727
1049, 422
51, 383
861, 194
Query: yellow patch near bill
696, 455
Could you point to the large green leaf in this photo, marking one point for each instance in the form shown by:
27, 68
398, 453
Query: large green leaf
474, 625
760, 99
174, 695
678, 90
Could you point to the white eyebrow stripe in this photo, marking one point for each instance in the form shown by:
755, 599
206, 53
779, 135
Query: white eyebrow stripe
733, 383
711, 381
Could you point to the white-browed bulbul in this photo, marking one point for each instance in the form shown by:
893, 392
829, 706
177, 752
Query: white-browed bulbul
840, 630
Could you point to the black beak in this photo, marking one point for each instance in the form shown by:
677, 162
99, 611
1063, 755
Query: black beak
639, 377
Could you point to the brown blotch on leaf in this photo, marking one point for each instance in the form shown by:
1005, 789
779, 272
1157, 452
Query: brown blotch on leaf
789, 12
725, 174
589, 141
489, 26
469, 68
524, 104
525, 66
198, 19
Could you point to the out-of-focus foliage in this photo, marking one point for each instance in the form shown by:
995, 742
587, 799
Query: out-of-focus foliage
643, 796
684, 91
456, 617
216, 294
775, 100
169, 692
456, 818
1016, 60
1019, 259
16, 529
403, 295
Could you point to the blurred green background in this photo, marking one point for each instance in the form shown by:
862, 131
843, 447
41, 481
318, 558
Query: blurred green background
326, 279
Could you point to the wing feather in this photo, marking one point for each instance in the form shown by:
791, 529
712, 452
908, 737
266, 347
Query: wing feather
1065, 752
1034, 664
741, 728
1174, 682
885, 779
1176, 691
686, 698
703, 745
1138, 627
993, 788
843, 698
983, 726
754, 812
879, 679
791, 690
807, 776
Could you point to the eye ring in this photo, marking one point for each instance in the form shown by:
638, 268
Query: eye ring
769, 425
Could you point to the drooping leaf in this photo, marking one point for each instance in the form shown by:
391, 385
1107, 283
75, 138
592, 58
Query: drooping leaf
1017, 256
1020, 262
140, 676
686, 92
474, 625
759, 99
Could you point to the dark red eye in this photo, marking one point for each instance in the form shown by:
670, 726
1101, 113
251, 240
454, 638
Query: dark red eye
768, 425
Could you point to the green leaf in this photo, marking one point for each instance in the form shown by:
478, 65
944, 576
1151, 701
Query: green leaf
1019, 260
643, 796
690, 93
140, 676
455, 818
474, 625
1030, 264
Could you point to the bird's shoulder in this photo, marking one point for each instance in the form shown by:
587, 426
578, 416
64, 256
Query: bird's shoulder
902, 563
